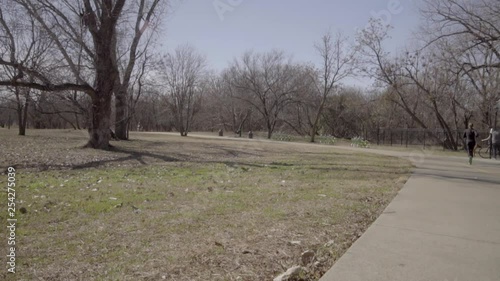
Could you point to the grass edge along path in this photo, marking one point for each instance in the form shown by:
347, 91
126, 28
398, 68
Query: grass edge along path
218, 210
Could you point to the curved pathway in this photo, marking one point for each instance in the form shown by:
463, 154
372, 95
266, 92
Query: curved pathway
444, 225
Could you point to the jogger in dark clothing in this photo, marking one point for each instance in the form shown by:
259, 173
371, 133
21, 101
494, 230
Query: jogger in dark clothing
470, 136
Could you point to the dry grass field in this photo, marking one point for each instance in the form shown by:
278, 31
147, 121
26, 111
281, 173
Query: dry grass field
165, 207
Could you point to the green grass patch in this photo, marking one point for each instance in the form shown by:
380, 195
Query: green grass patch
165, 207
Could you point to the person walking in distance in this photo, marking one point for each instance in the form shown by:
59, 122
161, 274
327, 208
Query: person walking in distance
494, 139
470, 136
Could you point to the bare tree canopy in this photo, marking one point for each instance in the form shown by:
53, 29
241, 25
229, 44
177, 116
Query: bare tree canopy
133, 44
81, 52
76, 61
268, 82
183, 72
338, 63
471, 24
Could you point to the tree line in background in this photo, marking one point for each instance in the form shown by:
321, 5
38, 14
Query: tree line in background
92, 66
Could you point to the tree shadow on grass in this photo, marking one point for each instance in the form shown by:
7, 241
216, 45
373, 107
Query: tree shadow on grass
492, 181
132, 155
358, 170
232, 152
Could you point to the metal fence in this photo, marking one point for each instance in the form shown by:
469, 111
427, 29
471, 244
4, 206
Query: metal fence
415, 137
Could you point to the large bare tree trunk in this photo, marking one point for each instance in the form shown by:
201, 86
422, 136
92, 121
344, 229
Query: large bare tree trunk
19, 114
314, 129
22, 128
22, 110
101, 121
122, 95
101, 103
122, 118
106, 74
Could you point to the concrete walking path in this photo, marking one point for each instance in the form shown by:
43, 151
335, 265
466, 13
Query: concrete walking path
444, 225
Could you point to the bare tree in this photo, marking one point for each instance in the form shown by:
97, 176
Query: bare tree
386, 70
22, 43
348, 113
70, 26
149, 112
475, 22
299, 114
238, 110
143, 15
183, 72
438, 88
221, 107
468, 34
267, 82
412, 79
5, 112
476, 90
337, 64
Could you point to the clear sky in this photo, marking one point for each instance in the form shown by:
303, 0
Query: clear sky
224, 29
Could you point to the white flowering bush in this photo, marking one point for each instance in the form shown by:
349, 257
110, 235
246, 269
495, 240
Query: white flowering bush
327, 140
360, 142
282, 137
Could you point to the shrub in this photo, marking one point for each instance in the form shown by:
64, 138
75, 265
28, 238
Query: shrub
360, 142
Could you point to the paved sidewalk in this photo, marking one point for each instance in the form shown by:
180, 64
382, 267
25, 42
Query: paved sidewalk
444, 225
